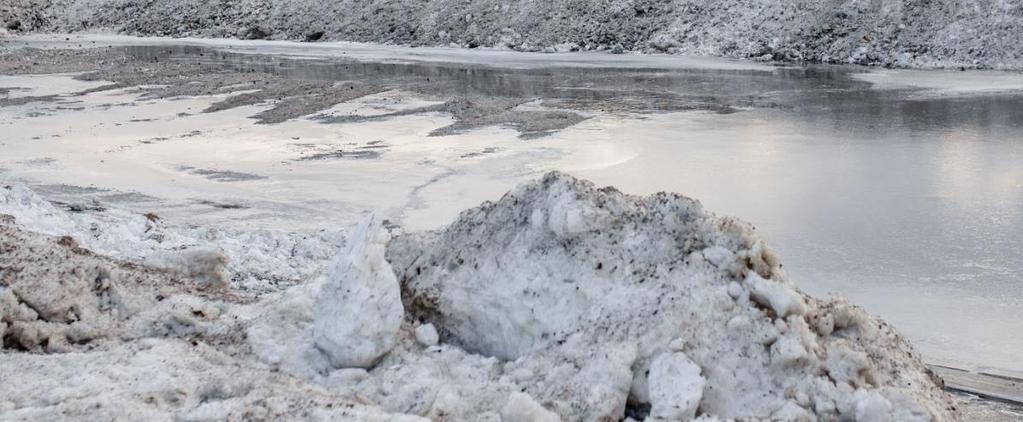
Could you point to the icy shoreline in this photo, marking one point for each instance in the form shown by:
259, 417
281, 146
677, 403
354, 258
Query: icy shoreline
558, 301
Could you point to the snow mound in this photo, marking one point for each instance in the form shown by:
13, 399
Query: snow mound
629, 290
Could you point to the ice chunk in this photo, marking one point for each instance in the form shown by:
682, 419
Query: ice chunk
426, 335
718, 255
676, 387
359, 310
872, 407
208, 266
781, 299
792, 412
522, 408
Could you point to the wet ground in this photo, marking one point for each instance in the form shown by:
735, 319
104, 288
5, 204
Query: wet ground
908, 200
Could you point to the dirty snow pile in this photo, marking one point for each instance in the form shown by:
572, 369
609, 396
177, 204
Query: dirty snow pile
902, 33
87, 337
560, 301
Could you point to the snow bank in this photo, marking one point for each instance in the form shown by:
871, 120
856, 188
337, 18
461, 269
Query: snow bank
560, 301
889, 33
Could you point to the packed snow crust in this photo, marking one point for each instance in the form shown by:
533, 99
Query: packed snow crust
560, 301
901, 33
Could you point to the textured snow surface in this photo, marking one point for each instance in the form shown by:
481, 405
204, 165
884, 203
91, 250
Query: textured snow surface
945, 33
560, 301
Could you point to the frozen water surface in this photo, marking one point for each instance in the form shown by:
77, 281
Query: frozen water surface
900, 190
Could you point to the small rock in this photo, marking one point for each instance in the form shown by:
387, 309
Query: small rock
256, 33
314, 36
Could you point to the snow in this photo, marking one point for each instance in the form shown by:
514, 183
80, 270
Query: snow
560, 301
359, 311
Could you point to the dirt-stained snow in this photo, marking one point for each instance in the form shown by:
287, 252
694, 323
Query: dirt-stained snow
560, 301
